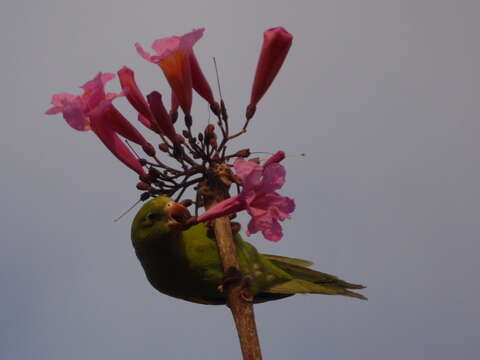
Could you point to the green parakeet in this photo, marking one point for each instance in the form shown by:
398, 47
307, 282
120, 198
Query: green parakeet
186, 264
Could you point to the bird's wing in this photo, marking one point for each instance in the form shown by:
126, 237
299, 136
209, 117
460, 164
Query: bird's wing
299, 286
310, 281
288, 260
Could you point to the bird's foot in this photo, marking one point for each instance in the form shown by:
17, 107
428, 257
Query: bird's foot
245, 293
235, 227
234, 276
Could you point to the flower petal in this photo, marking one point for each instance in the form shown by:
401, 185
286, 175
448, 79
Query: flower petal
173, 56
176, 68
249, 172
74, 115
166, 46
98, 82
145, 54
273, 177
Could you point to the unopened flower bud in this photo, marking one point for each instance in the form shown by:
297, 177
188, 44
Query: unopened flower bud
250, 111
200, 137
163, 147
276, 158
143, 186
242, 153
185, 133
186, 202
276, 43
213, 141
180, 139
188, 121
210, 136
215, 107
174, 115
149, 149
223, 110
153, 172
147, 178
209, 129
144, 196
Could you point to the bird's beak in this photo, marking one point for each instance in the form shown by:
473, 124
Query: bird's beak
179, 218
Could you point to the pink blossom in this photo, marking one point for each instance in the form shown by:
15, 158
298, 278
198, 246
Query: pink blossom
258, 197
178, 62
75, 108
93, 110
173, 56
276, 44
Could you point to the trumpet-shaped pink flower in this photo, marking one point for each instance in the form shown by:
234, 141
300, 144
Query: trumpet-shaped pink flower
276, 44
75, 109
175, 57
258, 197
93, 110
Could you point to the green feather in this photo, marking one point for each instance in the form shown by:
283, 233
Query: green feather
288, 260
186, 264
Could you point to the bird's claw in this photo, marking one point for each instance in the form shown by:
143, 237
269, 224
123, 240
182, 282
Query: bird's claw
235, 227
234, 276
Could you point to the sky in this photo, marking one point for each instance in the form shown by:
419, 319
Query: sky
381, 95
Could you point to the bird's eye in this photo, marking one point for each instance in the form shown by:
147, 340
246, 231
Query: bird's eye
152, 216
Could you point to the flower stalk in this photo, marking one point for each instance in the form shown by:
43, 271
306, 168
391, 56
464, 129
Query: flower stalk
235, 284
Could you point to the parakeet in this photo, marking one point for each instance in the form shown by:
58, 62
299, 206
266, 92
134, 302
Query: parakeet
185, 263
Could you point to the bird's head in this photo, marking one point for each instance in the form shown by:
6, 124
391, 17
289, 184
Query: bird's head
159, 218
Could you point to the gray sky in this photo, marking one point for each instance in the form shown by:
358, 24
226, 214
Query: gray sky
381, 95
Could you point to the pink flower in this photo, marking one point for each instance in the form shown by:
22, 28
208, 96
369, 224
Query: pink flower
258, 197
175, 57
276, 43
93, 110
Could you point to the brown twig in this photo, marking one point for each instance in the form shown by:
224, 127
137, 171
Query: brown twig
242, 309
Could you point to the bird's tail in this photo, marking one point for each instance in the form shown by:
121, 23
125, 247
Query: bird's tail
309, 281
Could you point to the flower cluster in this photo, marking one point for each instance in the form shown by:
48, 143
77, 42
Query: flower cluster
198, 155
258, 197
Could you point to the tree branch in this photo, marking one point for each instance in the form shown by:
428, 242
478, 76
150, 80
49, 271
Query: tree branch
242, 310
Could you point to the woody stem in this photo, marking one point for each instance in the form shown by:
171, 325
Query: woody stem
241, 309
